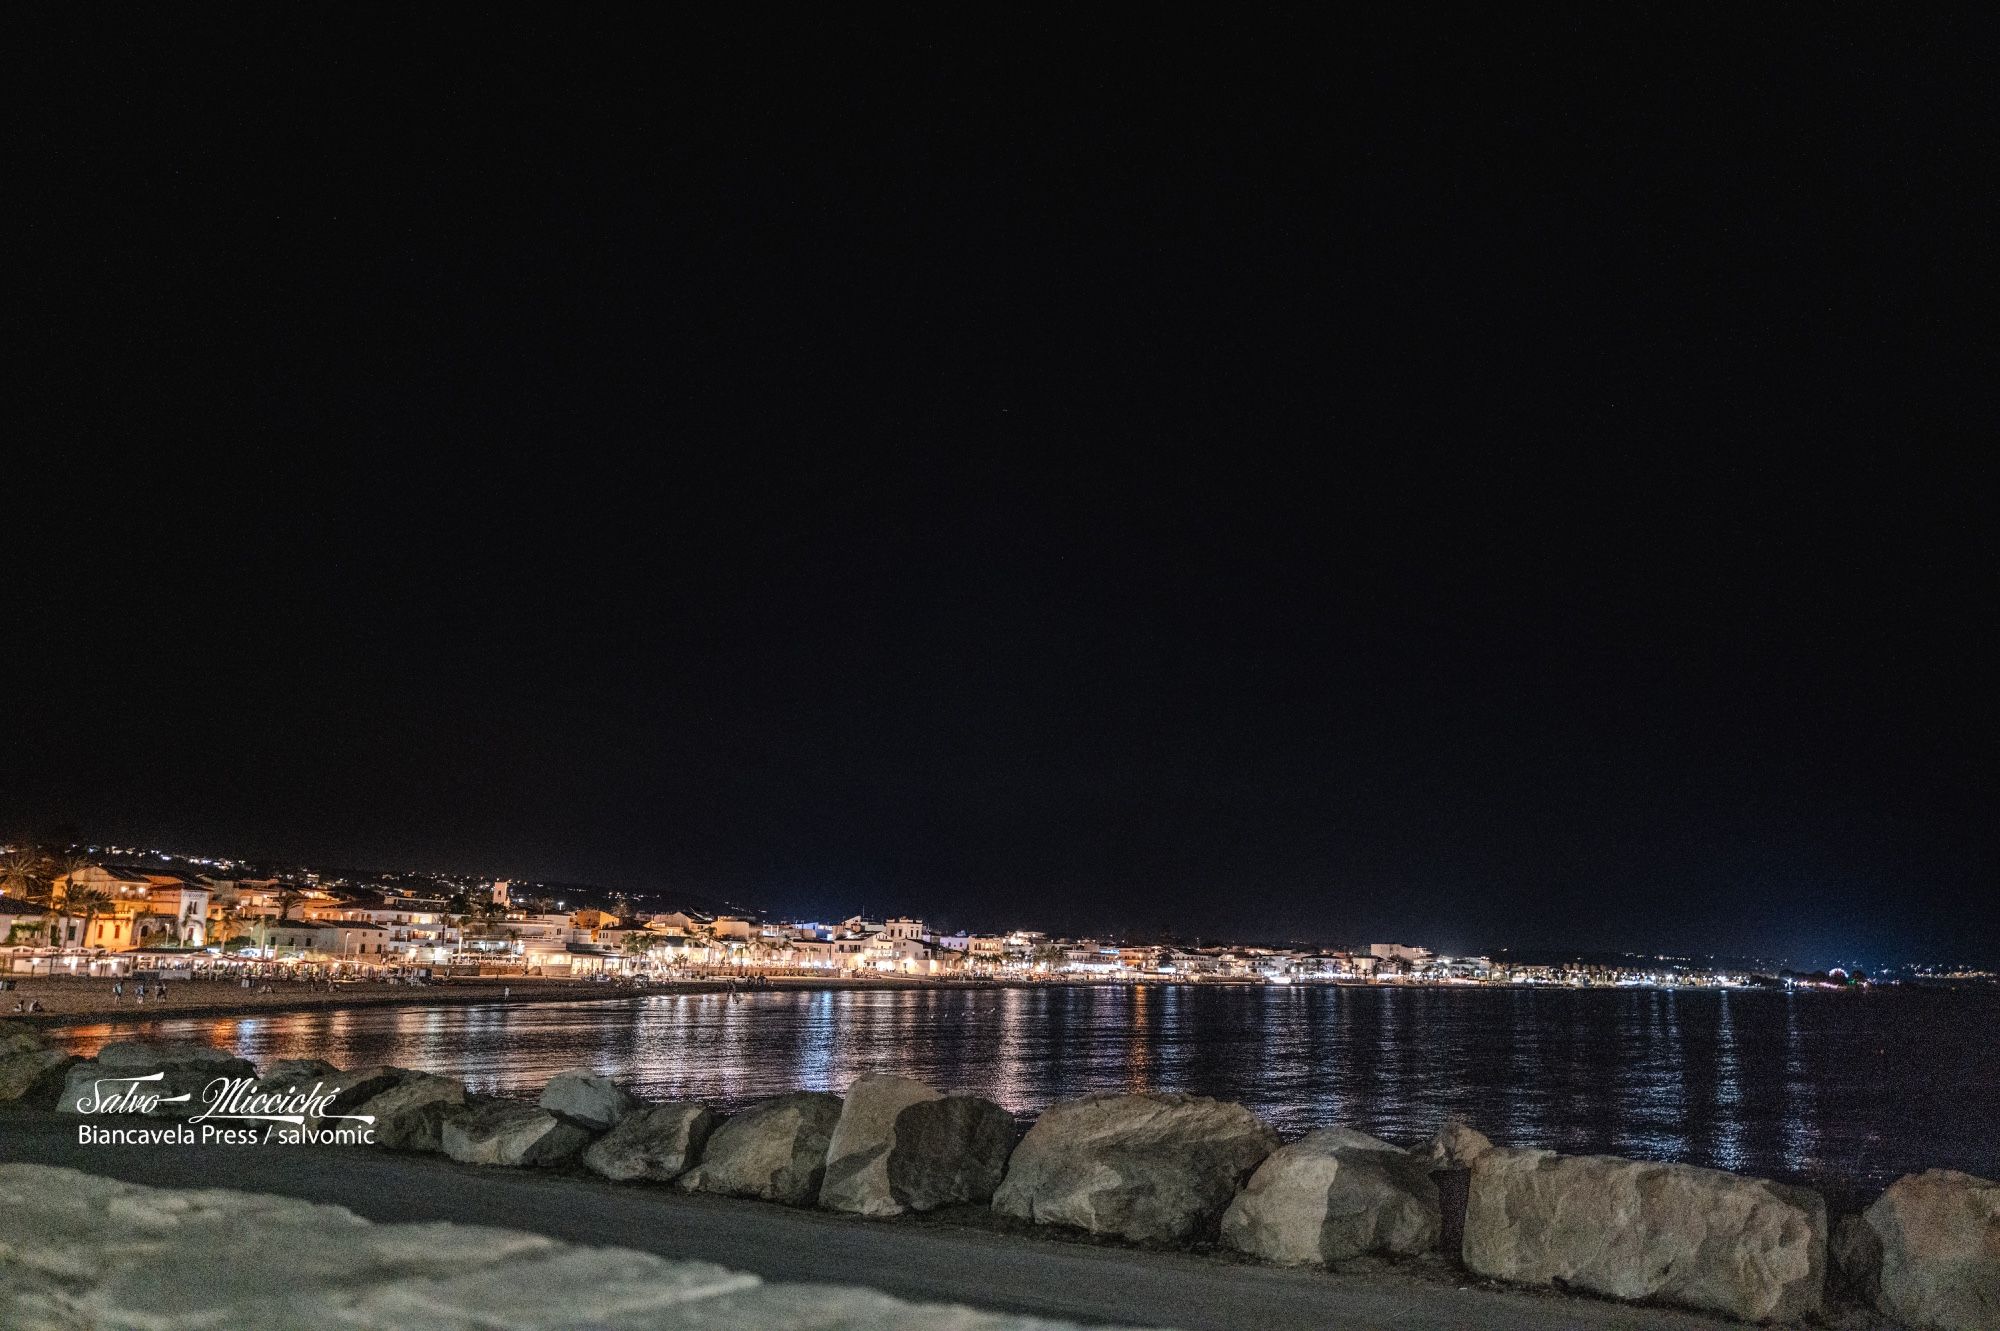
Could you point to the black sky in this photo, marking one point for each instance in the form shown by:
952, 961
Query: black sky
1488, 488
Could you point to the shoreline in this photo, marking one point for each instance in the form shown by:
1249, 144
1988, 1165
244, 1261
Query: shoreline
87, 1002
186, 997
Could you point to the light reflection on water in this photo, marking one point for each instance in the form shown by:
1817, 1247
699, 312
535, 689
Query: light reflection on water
1728, 1092
1786, 1085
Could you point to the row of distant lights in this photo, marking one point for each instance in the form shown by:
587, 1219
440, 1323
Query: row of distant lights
1959, 970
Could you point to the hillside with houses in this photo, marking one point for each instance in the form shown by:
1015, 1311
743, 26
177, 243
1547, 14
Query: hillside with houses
107, 912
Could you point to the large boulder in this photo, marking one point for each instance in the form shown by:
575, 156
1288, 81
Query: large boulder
357, 1086
658, 1144
34, 1078
161, 1053
300, 1074
293, 1077
409, 1114
900, 1146
1939, 1233
1333, 1195
775, 1150
1143, 1167
165, 1080
583, 1097
506, 1132
1743, 1247
17, 1037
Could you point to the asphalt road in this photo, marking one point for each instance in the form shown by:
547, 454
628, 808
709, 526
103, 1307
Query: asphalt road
925, 1260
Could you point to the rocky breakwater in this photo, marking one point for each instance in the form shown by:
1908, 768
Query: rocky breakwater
81, 1251
1149, 1168
162, 1080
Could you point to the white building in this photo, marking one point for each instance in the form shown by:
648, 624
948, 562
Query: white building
416, 929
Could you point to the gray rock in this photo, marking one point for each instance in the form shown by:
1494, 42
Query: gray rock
34, 1078
17, 1037
289, 1076
300, 1072
1143, 1167
176, 1080
658, 1144
775, 1150
506, 1132
1453, 1146
1939, 1233
149, 1054
410, 1114
420, 1128
900, 1146
1743, 1247
584, 1097
1331, 1196
357, 1086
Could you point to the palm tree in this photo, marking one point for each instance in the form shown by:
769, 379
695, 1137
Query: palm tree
72, 862
68, 864
89, 901
228, 924
24, 874
288, 897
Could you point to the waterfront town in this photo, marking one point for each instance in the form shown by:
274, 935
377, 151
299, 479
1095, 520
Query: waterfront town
80, 915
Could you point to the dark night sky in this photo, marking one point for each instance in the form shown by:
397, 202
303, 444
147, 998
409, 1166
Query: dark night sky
1481, 488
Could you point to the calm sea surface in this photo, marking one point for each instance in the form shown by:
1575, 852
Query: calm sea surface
1849, 1086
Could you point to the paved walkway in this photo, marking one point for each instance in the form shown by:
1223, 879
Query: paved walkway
922, 1260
